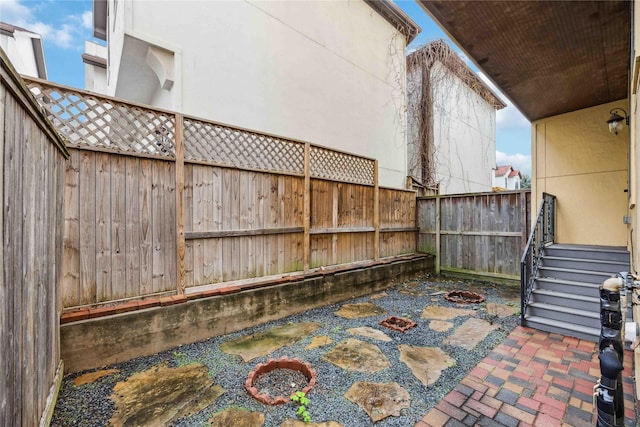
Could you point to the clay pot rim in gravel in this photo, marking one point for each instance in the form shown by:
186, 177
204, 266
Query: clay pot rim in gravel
464, 297
273, 364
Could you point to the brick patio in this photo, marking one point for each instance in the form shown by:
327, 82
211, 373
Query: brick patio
533, 378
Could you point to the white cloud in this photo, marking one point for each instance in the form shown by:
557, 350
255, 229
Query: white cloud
12, 11
87, 19
522, 162
68, 34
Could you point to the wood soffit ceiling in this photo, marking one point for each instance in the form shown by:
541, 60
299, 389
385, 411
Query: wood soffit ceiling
548, 57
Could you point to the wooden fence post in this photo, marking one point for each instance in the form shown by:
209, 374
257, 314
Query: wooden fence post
376, 212
306, 250
180, 241
438, 221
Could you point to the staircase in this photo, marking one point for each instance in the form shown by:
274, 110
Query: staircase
564, 297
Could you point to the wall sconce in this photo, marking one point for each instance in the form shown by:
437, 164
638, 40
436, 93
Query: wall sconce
616, 121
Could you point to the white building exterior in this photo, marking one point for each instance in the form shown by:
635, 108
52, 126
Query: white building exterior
331, 73
451, 123
507, 177
24, 49
95, 67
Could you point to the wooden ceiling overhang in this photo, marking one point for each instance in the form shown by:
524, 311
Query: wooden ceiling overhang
548, 57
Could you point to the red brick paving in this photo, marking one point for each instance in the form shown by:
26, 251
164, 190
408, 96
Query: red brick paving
546, 371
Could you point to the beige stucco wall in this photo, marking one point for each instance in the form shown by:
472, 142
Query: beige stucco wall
576, 159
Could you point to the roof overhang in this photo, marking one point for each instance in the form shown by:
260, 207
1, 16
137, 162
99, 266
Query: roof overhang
548, 57
100, 19
396, 17
36, 44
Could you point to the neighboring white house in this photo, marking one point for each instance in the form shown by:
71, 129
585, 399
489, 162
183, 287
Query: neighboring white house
507, 177
95, 67
331, 73
451, 123
24, 49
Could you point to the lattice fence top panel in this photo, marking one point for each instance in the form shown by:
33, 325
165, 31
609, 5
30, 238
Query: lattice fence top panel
85, 120
339, 166
228, 146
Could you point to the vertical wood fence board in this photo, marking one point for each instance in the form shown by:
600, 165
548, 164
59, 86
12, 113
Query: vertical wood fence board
132, 285
88, 252
103, 227
188, 223
146, 237
118, 228
71, 278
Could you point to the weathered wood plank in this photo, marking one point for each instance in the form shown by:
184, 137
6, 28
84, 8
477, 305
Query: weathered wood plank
87, 191
118, 228
132, 228
103, 227
71, 290
188, 224
146, 224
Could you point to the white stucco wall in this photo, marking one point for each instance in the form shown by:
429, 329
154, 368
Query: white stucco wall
464, 126
331, 73
19, 49
95, 78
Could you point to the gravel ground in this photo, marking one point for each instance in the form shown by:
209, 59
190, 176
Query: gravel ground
89, 405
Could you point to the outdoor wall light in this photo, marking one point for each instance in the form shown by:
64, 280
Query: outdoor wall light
616, 121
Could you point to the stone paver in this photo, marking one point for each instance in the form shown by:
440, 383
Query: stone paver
530, 379
355, 355
359, 310
445, 313
368, 332
426, 363
470, 333
379, 400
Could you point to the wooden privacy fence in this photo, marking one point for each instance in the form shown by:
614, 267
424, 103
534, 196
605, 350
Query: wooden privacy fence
480, 234
157, 202
32, 185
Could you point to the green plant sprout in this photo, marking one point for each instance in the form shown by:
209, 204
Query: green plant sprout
303, 401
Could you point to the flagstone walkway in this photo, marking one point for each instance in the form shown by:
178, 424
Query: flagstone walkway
533, 378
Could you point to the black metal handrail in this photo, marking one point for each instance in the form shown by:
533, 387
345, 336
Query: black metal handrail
543, 233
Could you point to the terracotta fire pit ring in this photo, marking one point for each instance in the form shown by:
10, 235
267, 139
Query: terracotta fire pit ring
399, 324
282, 363
464, 297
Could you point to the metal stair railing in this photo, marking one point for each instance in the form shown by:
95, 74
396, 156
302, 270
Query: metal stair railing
541, 235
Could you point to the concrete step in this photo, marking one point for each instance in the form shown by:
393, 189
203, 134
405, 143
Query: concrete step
563, 299
568, 329
565, 315
605, 253
611, 267
586, 276
568, 286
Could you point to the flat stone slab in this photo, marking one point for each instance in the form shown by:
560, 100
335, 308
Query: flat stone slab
359, 310
378, 295
470, 333
379, 400
412, 292
320, 341
237, 417
263, 343
161, 395
501, 310
368, 332
298, 423
440, 325
355, 355
445, 313
426, 363
93, 376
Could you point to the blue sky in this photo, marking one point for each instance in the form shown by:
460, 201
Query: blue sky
66, 24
